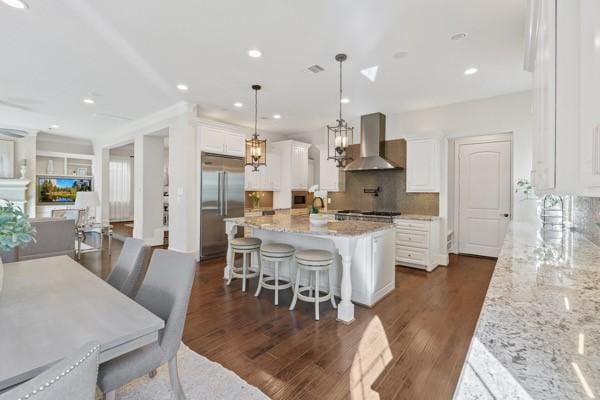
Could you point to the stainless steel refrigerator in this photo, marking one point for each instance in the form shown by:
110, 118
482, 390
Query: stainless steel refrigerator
222, 196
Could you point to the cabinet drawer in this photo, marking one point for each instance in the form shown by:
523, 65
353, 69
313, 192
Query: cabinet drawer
411, 255
412, 224
412, 238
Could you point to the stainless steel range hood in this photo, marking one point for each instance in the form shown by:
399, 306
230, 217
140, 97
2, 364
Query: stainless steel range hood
372, 139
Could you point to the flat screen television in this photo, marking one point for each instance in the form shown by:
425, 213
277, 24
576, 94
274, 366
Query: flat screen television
61, 189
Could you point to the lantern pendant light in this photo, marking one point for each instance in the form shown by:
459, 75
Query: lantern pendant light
256, 149
339, 136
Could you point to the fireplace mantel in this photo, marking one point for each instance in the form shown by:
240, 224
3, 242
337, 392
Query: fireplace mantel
14, 190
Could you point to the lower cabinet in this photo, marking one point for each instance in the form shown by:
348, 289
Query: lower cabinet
418, 243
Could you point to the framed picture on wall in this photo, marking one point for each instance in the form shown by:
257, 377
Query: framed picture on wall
7, 158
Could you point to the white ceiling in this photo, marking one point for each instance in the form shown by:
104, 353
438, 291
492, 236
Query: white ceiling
129, 55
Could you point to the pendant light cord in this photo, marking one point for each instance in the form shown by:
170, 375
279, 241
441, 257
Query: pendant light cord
341, 92
255, 112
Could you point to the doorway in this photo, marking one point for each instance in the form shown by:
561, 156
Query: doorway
120, 189
483, 190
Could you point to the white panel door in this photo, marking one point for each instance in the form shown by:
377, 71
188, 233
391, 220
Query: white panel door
485, 197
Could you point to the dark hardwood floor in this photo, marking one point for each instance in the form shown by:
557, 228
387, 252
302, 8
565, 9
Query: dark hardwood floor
411, 345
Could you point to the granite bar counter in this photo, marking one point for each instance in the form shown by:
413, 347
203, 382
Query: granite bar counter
364, 266
538, 335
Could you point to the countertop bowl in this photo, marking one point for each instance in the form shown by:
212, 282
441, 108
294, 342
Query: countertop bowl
318, 219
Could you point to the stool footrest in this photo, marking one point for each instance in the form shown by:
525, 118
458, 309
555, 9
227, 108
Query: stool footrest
313, 299
283, 283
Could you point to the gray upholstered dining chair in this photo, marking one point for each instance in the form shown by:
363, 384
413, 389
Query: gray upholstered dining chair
165, 291
128, 272
73, 378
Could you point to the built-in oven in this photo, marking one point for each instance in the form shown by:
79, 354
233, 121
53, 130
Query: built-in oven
301, 199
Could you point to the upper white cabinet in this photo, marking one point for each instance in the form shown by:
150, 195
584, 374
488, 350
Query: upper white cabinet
590, 96
268, 177
544, 98
293, 170
221, 140
423, 164
564, 55
298, 166
331, 178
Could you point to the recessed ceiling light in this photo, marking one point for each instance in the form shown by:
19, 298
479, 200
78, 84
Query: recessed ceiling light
183, 87
459, 36
471, 71
54, 126
400, 54
345, 100
88, 101
20, 4
276, 116
238, 104
370, 73
254, 53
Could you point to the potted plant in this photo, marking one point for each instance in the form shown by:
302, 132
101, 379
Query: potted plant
15, 230
255, 197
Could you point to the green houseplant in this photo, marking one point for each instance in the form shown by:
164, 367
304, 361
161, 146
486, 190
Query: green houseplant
15, 230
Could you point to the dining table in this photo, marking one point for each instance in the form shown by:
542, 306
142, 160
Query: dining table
50, 307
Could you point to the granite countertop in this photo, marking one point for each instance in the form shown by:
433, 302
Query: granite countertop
538, 335
301, 224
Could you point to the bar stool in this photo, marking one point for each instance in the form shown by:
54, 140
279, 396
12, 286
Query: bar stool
245, 246
276, 253
313, 261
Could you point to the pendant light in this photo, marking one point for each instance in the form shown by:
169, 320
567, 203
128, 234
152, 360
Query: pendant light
256, 149
339, 136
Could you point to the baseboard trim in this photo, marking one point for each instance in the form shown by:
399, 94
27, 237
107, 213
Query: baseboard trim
190, 253
442, 259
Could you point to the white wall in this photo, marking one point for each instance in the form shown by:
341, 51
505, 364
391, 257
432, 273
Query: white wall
500, 114
25, 149
148, 189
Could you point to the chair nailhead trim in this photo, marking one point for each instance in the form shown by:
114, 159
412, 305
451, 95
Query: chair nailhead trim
62, 374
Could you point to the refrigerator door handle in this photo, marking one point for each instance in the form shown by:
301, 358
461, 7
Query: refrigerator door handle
226, 192
219, 193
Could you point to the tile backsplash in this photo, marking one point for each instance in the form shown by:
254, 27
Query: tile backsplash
586, 217
392, 195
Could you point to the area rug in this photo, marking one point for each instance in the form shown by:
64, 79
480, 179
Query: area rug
201, 379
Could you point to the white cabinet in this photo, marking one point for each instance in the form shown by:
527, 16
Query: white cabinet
423, 164
564, 56
418, 243
221, 140
331, 178
311, 173
590, 97
267, 178
299, 166
293, 171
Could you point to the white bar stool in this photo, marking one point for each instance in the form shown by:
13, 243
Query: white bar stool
313, 261
246, 246
276, 253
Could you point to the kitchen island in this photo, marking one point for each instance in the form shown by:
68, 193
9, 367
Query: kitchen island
364, 266
538, 332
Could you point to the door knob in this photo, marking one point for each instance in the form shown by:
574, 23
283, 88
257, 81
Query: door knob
505, 215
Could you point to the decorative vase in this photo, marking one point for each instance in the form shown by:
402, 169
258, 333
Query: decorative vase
50, 167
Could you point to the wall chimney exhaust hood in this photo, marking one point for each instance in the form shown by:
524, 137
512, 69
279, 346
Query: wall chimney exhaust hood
372, 142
